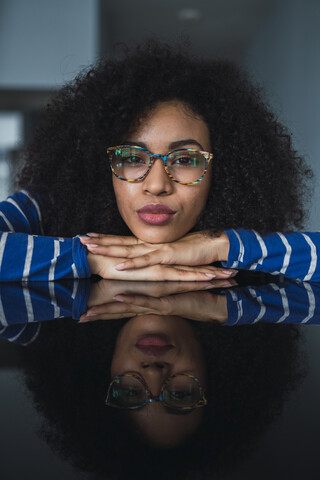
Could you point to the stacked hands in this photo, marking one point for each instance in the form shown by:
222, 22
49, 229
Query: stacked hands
110, 300
187, 259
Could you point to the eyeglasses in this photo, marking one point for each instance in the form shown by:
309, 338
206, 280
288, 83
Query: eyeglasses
132, 163
180, 392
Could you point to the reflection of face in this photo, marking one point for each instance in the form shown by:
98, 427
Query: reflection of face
160, 425
159, 133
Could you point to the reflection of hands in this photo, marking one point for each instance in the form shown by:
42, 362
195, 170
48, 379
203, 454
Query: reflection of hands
112, 300
183, 259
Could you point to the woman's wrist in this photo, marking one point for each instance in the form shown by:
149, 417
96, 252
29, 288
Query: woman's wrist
223, 247
92, 260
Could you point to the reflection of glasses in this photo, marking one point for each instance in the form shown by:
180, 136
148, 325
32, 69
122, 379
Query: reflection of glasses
187, 165
180, 392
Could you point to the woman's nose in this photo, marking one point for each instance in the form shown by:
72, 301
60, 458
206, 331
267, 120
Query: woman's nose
155, 373
157, 181
156, 365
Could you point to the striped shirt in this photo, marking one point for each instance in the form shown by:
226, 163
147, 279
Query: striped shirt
294, 255
26, 254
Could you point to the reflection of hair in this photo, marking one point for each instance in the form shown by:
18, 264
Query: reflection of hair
254, 161
251, 370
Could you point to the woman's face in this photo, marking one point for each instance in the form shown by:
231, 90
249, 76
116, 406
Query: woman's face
140, 350
169, 126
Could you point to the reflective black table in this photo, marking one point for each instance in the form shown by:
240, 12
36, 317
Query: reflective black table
253, 347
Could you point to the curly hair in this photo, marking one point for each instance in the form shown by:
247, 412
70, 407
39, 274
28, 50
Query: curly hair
258, 179
251, 370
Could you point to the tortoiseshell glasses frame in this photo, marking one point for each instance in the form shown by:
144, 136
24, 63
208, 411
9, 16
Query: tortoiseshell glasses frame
152, 157
160, 398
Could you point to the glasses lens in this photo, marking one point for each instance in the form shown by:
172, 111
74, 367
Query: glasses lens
181, 391
186, 165
129, 163
127, 391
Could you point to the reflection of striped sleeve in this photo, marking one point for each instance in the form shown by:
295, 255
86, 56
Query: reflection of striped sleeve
21, 334
26, 255
289, 302
24, 307
294, 255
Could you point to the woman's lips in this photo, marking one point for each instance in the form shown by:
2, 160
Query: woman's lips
158, 340
155, 214
154, 350
154, 345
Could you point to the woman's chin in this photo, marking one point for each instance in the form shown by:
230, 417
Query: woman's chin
157, 236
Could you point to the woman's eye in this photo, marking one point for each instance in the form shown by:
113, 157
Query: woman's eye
129, 393
133, 160
186, 161
183, 160
179, 394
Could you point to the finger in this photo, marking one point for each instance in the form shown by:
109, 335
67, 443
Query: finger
162, 289
126, 251
109, 308
161, 273
107, 316
215, 271
142, 301
109, 240
222, 283
152, 258
178, 274
153, 289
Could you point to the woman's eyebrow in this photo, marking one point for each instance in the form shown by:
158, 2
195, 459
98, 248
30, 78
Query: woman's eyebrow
135, 144
181, 143
171, 146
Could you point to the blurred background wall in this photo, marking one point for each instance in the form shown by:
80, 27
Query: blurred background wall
44, 44
284, 56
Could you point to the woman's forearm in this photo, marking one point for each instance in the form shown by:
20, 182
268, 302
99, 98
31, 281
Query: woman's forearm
294, 255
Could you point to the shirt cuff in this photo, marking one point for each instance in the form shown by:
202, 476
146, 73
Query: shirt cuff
234, 249
79, 254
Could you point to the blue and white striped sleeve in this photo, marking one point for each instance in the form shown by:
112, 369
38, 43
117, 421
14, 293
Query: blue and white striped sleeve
287, 302
24, 307
25, 254
294, 255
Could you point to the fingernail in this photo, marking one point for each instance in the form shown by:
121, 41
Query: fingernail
229, 272
210, 286
118, 299
86, 317
92, 234
119, 266
83, 320
92, 245
210, 275
89, 314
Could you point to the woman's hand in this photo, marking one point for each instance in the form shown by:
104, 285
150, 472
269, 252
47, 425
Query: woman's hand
112, 300
199, 248
105, 267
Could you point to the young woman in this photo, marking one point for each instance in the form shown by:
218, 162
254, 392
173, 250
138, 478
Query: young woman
168, 157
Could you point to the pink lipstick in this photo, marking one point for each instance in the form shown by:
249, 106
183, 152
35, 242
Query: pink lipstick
154, 345
153, 350
155, 214
158, 340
